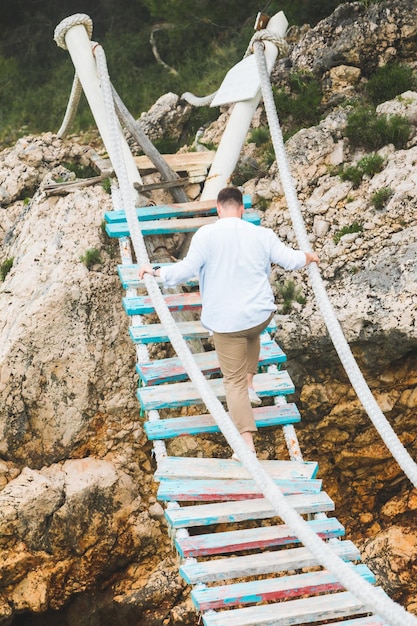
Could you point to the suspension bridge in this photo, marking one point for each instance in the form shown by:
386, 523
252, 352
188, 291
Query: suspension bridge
257, 541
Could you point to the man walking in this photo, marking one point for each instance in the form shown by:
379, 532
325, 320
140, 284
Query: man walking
232, 259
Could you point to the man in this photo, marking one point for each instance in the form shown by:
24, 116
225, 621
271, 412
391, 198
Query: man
232, 259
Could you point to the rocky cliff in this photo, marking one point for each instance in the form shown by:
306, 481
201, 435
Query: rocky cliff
80, 529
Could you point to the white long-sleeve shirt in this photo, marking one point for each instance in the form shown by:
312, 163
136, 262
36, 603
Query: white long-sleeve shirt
232, 259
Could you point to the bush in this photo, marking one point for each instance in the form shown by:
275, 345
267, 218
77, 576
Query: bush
368, 130
5, 268
290, 292
300, 107
259, 136
369, 165
380, 198
356, 227
91, 257
389, 81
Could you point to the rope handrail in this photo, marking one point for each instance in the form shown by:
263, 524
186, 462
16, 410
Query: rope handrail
373, 598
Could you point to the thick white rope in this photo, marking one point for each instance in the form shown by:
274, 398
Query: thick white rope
374, 600
72, 107
356, 378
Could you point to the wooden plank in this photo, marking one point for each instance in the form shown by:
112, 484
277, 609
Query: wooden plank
232, 511
172, 369
259, 564
165, 211
179, 162
258, 538
167, 227
186, 467
156, 333
371, 620
185, 394
265, 416
143, 305
222, 490
272, 589
302, 611
129, 277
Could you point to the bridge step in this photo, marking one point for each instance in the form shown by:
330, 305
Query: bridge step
198, 424
129, 277
251, 539
185, 394
220, 490
156, 333
272, 589
233, 511
259, 564
302, 611
172, 369
165, 211
371, 620
171, 467
169, 226
142, 305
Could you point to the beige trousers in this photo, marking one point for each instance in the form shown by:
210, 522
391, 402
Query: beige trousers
238, 355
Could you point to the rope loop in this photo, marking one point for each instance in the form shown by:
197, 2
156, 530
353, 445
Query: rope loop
267, 35
78, 19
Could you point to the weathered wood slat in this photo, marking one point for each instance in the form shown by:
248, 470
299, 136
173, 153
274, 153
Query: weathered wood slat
186, 394
166, 227
303, 611
143, 305
265, 416
371, 620
262, 563
186, 467
129, 277
178, 162
259, 538
272, 589
225, 512
165, 211
172, 369
156, 333
219, 490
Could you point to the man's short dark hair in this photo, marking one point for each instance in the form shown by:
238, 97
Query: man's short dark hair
230, 194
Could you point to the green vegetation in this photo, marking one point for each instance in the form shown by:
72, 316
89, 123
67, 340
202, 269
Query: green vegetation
368, 130
289, 292
299, 106
356, 227
369, 165
390, 81
106, 185
380, 198
80, 171
91, 257
5, 268
259, 136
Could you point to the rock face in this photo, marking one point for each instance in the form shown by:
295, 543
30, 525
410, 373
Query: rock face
80, 528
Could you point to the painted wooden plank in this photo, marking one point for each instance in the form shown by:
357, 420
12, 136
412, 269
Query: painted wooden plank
259, 538
265, 416
371, 620
272, 589
233, 511
129, 277
165, 211
260, 563
166, 227
220, 490
186, 467
172, 369
302, 611
186, 394
143, 305
156, 333
179, 162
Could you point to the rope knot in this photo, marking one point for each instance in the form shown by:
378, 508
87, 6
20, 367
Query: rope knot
268, 35
73, 20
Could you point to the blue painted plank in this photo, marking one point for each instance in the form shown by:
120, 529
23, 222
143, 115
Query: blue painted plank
259, 563
166, 227
301, 611
220, 490
143, 305
165, 211
197, 424
272, 589
172, 369
259, 538
186, 394
170, 467
156, 333
233, 511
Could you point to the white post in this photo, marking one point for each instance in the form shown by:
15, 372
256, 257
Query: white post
79, 47
234, 135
